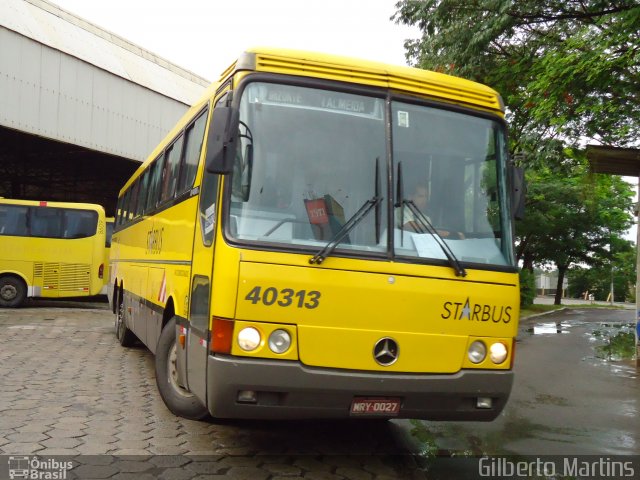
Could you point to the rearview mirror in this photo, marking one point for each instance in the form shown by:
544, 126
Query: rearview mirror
518, 192
221, 140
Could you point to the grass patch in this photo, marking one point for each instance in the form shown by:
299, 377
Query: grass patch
542, 308
536, 308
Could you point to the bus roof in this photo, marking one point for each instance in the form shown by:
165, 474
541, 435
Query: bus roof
394, 77
46, 203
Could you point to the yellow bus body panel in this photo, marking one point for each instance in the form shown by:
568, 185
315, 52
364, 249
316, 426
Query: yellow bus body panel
429, 311
158, 267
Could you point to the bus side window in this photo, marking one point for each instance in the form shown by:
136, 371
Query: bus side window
125, 207
118, 219
142, 193
199, 311
46, 222
171, 170
193, 146
134, 198
13, 220
79, 223
153, 197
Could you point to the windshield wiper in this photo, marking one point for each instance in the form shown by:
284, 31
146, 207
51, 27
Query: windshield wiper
426, 226
355, 219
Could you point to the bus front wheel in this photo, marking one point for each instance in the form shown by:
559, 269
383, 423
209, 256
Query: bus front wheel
13, 291
179, 400
125, 336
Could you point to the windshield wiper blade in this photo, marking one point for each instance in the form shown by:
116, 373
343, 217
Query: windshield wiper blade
427, 227
349, 225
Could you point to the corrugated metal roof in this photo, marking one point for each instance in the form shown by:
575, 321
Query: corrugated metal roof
50, 25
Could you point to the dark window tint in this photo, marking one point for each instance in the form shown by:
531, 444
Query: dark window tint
46, 222
118, 220
79, 223
171, 170
13, 220
142, 194
153, 196
125, 206
199, 315
107, 242
193, 146
135, 199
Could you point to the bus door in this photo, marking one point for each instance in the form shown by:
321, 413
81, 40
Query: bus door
200, 297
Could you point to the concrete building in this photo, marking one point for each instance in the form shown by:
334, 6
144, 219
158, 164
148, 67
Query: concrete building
80, 107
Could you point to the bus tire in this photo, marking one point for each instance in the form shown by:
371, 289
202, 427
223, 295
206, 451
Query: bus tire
178, 400
125, 336
13, 291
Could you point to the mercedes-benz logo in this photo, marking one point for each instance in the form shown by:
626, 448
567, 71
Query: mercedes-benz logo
386, 351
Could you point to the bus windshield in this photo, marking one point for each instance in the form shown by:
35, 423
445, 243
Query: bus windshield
309, 159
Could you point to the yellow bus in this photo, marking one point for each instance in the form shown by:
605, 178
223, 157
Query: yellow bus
50, 249
109, 223
324, 237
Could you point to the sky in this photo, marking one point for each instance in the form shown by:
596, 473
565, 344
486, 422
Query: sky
206, 36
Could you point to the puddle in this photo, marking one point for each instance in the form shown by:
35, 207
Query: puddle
611, 341
614, 341
549, 328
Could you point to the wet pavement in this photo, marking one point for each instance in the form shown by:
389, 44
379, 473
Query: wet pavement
68, 388
572, 395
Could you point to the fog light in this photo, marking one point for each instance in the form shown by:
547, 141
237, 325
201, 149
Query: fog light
498, 353
484, 402
249, 339
477, 352
279, 341
247, 396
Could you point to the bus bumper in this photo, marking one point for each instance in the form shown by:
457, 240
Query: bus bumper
292, 390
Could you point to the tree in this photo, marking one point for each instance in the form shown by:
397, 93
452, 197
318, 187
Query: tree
573, 217
618, 267
567, 68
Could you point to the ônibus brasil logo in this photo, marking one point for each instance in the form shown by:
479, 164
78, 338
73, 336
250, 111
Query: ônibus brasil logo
38, 468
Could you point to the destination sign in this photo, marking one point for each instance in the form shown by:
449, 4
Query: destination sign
302, 97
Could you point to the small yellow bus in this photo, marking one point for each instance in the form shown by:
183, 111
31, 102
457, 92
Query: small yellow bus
50, 249
109, 223
324, 237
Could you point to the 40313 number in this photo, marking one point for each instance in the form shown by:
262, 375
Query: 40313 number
287, 297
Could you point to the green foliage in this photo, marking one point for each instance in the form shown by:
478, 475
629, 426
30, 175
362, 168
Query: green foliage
618, 264
565, 68
527, 288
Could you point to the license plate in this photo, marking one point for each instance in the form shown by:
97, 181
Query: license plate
375, 406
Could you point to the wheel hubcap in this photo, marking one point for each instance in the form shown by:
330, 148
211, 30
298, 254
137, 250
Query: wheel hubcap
8, 292
119, 321
172, 373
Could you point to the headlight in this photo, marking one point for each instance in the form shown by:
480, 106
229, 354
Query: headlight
498, 353
249, 339
477, 352
279, 341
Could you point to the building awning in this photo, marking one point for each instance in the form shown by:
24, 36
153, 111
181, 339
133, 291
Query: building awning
614, 161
